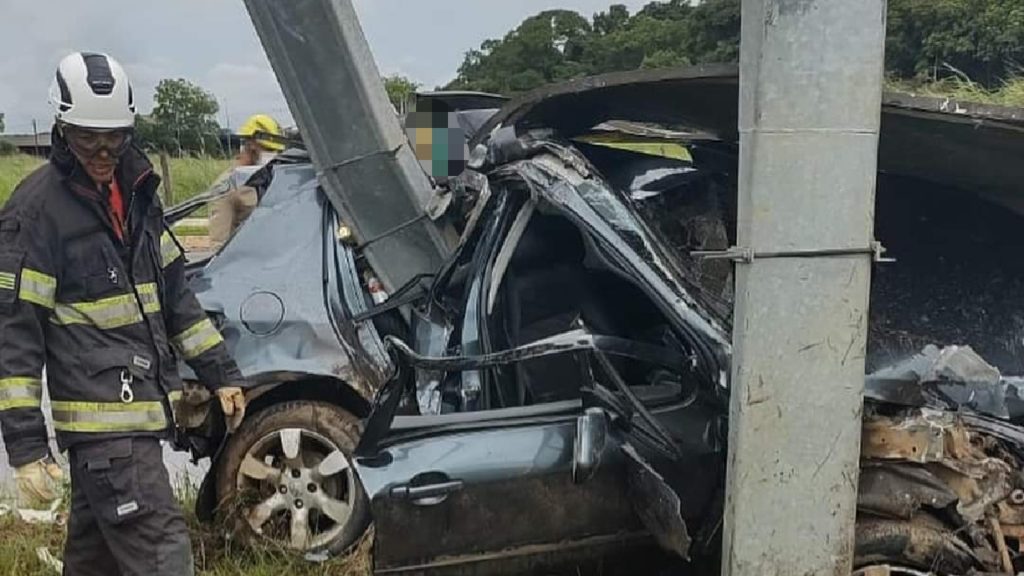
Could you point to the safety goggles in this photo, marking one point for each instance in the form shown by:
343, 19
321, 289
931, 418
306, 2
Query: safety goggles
89, 143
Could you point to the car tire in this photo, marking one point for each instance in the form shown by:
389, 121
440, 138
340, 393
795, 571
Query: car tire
919, 545
255, 475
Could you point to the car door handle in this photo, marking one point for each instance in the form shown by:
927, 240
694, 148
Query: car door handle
427, 494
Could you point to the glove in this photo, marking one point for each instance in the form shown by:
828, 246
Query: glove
39, 484
232, 402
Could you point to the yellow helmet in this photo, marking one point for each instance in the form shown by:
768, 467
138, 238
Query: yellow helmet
262, 123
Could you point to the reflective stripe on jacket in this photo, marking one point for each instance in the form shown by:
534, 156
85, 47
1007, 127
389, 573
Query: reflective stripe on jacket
108, 318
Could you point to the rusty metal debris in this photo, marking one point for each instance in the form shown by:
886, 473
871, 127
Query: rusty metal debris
938, 492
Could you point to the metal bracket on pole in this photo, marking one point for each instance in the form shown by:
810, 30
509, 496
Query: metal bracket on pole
746, 255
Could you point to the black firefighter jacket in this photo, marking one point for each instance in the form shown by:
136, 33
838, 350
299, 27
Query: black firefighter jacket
108, 318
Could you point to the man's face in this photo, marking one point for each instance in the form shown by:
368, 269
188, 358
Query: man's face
98, 151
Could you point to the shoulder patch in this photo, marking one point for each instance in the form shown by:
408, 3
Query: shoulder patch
10, 270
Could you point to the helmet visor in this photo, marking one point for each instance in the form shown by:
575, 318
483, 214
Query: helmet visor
89, 143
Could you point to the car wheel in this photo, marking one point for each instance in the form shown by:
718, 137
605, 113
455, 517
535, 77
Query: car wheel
287, 476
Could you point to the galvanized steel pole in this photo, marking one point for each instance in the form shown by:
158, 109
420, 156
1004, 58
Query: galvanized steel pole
810, 98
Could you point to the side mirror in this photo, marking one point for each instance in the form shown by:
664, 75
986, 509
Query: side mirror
591, 437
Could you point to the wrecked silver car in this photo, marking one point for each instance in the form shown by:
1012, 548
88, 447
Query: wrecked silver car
527, 365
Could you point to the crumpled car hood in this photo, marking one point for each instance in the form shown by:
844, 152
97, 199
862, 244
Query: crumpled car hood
268, 285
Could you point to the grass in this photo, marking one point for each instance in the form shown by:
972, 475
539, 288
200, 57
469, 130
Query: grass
191, 231
1011, 93
12, 170
215, 554
189, 176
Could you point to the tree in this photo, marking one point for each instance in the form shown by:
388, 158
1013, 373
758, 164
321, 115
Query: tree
929, 39
544, 48
1, 122
400, 91
183, 120
981, 39
560, 45
612, 20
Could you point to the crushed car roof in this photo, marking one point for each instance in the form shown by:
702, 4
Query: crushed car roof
968, 146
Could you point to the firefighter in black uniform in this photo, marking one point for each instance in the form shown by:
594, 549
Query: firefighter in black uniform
92, 286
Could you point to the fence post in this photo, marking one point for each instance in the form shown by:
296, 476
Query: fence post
165, 171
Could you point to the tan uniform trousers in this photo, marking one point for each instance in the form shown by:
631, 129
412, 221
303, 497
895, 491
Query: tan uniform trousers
228, 212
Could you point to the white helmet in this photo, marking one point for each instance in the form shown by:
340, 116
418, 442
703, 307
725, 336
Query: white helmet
92, 91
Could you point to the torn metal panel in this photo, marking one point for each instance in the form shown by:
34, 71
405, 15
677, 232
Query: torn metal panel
932, 153
940, 491
271, 287
698, 97
919, 440
949, 451
900, 490
656, 504
968, 146
954, 377
363, 159
921, 545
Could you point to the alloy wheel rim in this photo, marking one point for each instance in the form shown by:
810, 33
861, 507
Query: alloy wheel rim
303, 485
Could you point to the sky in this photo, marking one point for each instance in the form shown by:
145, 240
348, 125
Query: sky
212, 43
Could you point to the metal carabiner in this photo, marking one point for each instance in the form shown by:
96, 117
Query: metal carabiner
127, 396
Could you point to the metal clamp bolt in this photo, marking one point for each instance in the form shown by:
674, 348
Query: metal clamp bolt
746, 255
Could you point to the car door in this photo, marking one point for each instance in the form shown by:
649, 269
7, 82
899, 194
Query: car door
474, 487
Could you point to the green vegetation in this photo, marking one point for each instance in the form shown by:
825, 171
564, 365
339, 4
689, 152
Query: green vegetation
184, 120
215, 554
934, 39
12, 170
181, 231
927, 40
400, 91
1011, 93
189, 176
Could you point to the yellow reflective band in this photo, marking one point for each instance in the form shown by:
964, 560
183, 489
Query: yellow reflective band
37, 288
149, 297
169, 251
105, 314
108, 416
202, 336
649, 145
112, 312
7, 281
175, 397
20, 392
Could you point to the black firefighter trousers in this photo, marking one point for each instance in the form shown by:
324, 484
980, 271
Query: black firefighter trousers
124, 519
